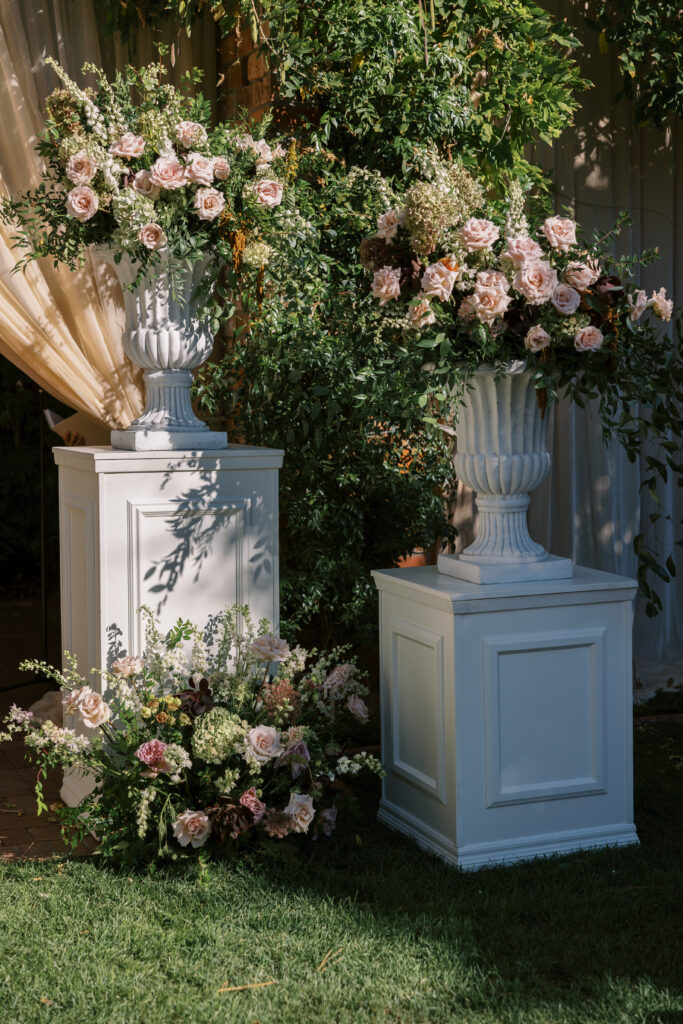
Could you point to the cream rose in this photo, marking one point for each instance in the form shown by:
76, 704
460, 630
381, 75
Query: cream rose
467, 309
129, 145
263, 744
358, 708
94, 711
199, 168
279, 152
301, 811
192, 827
560, 232
660, 305
420, 313
478, 234
536, 281
152, 236
270, 648
438, 281
82, 203
588, 339
142, 183
488, 304
536, 339
168, 172
190, 133
638, 304
128, 666
262, 150
267, 192
522, 249
388, 224
386, 284
221, 168
492, 279
209, 203
81, 168
581, 275
566, 300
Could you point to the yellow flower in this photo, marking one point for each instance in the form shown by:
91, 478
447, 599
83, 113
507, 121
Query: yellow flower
173, 703
153, 703
184, 719
146, 712
163, 718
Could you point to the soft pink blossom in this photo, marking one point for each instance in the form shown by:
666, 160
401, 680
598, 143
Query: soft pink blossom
420, 313
142, 183
478, 234
252, 803
262, 150
301, 811
221, 168
638, 303
152, 753
190, 133
438, 281
152, 236
386, 284
82, 203
199, 168
560, 232
581, 275
129, 146
168, 172
209, 203
268, 192
128, 666
536, 281
270, 648
660, 305
566, 300
263, 744
81, 168
192, 827
358, 708
466, 310
588, 339
488, 304
388, 224
522, 249
536, 339
492, 279
279, 152
93, 709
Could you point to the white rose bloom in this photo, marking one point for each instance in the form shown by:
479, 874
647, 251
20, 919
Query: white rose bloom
536, 339
566, 300
301, 811
386, 284
388, 224
660, 305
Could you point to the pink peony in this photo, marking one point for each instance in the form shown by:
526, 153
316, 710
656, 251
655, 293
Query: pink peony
82, 203
152, 236
192, 827
588, 339
209, 203
270, 648
386, 284
560, 232
536, 281
221, 168
581, 275
388, 224
128, 666
268, 193
152, 753
190, 133
358, 708
660, 305
168, 172
536, 339
199, 168
252, 802
263, 744
129, 145
420, 313
478, 234
438, 281
566, 300
81, 168
142, 183
301, 811
522, 249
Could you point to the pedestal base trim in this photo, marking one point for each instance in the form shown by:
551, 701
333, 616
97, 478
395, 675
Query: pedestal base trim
474, 571
166, 440
76, 785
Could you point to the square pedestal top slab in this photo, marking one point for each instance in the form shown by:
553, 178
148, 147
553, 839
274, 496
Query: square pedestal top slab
106, 459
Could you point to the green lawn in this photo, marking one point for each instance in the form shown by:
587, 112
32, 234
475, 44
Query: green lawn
585, 938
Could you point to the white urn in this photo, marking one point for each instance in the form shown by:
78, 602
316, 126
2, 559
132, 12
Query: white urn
164, 336
502, 454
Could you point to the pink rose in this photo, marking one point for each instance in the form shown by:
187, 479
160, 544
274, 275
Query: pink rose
244, 142
152, 236
438, 281
522, 249
81, 168
420, 313
467, 309
386, 284
388, 224
71, 700
129, 145
536, 281
94, 711
300, 809
536, 339
560, 232
152, 753
268, 193
638, 304
478, 234
82, 203
660, 305
588, 339
209, 203
168, 172
565, 299
270, 648
263, 744
492, 279
262, 150
581, 275
488, 304
192, 827
142, 183
252, 803
221, 168
358, 708
199, 168
128, 666
190, 133
279, 152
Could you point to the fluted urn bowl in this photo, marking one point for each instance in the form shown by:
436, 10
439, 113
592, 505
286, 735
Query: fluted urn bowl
164, 335
502, 454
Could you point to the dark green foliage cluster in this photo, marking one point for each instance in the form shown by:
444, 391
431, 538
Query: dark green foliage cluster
648, 37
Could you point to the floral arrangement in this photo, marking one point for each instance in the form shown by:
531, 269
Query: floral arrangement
135, 165
248, 744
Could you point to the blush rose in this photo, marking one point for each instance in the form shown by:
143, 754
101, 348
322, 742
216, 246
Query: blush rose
478, 234
268, 192
560, 232
536, 339
192, 827
588, 339
81, 168
536, 281
209, 203
386, 284
566, 300
129, 145
82, 203
168, 172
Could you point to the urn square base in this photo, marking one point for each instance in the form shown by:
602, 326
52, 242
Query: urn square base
168, 441
506, 714
475, 571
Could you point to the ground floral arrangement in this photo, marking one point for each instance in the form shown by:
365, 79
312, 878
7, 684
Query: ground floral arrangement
251, 745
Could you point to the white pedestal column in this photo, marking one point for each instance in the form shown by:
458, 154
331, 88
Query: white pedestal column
507, 714
186, 533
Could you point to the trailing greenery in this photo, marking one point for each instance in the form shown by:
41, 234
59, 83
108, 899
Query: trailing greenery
648, 38
592, 938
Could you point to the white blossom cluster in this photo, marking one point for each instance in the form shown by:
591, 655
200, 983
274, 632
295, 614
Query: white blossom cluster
147, 798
